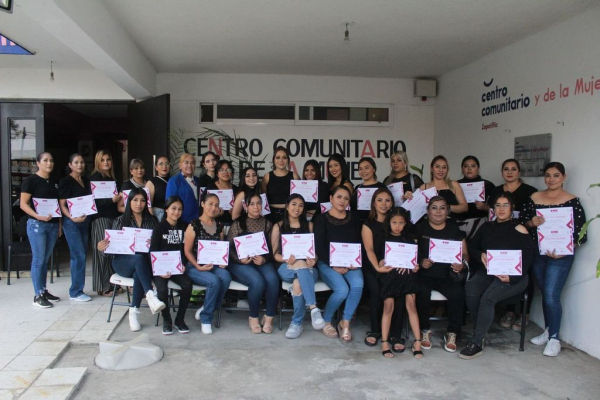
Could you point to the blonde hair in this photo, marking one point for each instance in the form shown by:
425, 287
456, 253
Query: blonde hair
404, 157
184, 156
98, 161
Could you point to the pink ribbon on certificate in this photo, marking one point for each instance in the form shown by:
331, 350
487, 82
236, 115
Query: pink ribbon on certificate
519, 266
153, 261
69, 205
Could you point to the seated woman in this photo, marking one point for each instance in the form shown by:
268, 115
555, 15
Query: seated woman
299, 272
248, 184
446, 278
312, 171
446, 188
338, 225
367, 170
215, 278
168, 236
257, 272
135, 266
484, 291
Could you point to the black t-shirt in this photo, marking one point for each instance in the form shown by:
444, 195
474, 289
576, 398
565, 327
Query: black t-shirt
169, 238
160, 191
376, 228
520, 196
425, 232
69, 188
40, 188
106, 207
330, 229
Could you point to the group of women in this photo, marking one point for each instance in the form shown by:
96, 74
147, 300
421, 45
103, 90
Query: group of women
184, 209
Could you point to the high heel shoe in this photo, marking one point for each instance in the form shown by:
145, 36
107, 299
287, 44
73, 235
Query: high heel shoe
254, 325
418, 354
386, 353
345, 333
267, 324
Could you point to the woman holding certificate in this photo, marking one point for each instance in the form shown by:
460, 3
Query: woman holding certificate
187, 187
442, 251
504, 251
297, 268
476, 190
338, 172
136, 265
363, 193
312, 172
137, 169
72, 191
251, 262
446, 188
224, 189
206, 273
555, 218
276, 183
157, 186
106, 203
399, 173
248, 185
39, 200
339, 231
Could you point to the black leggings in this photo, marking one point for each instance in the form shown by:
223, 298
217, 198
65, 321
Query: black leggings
162, 291
455, 293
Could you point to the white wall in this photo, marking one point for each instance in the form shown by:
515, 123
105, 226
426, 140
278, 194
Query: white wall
561, 54
413, 119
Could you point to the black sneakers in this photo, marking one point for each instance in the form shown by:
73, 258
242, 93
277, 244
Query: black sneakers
50, 296
41, 302
181, 327
471, 351
167, 327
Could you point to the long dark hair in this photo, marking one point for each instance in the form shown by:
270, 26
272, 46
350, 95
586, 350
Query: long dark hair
343, 165
409, 229
285, 223
370, 161
71, 159
243, 219
373, 213
245, 188
316, 166
555, 164
127, 215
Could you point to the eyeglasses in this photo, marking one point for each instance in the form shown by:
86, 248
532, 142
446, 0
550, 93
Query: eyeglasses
503, 205
164, 164
225, 170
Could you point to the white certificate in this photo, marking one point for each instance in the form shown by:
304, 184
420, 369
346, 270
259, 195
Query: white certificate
121, 242
47, 207
401, 255
445, 251
556, 233
251, 245
492, 214
164, 262
505, 262
142, 239
104, 189
214, 252
363, 198
301, 246
126, 195
474, 191
417, 204
79, 206
345, 255
327, 206
397, 190
308, 189
225, 198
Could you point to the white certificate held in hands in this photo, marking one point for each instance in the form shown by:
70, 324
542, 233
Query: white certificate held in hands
251, 245
80, 206
417, 204
505, 262
401, 255
345, 255
327, 206
474, 191
142, 239
308, 189
301, 246
397, 190
126, 196
120, 242
47, 207
266, 209
214, 252
363, 198
104, 189
225, 198
445, 251
164, 262
556, 233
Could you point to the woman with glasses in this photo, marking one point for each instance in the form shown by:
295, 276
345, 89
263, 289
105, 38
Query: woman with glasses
224, 181
187, 187
157, 186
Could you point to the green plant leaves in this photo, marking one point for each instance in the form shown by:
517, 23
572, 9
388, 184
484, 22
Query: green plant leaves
419, 170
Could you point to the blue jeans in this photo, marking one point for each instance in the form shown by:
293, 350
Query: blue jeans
217, 282
346, 287
260, 279
551, 275
138, 267
307, 277
42, 238
77, 237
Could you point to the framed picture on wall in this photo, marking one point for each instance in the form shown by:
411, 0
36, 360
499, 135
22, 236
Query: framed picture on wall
533, 153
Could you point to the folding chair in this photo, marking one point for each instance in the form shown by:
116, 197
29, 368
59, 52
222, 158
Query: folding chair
523, 299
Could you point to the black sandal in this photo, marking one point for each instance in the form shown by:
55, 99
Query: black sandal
418, 354
394, 341
375, 335
386, 352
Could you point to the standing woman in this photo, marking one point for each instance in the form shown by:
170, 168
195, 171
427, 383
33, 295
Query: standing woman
446, 188
107, 213
338, 172
187, 187
76, 227
367, 170
477, 212
157, 186
215, 277
224, 181
276, 183
399, 173
551, 270
42, 230
312, 172
248, 184
258, 272
137, 169
208, 162
338, 225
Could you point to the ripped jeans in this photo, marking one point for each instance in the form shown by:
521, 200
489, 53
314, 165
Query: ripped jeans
307, 277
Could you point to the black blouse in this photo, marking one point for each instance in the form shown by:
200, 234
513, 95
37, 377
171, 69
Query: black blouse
160, 191
40, 188
69, 188
106, 207
473, 212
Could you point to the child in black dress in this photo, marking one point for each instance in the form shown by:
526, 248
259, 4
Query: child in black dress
398, 282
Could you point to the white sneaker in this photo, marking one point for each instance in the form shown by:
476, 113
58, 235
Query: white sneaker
541, 339
318, 322
294, 331
552, 348
134, 324
81, 297
206, 329
153, 302
197, 315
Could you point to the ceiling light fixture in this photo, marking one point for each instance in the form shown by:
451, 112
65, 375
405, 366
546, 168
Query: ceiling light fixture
347, 34
6, 5
51, 72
